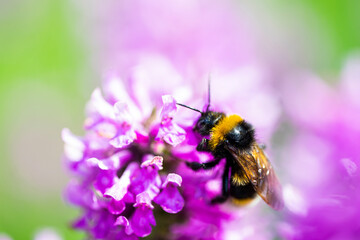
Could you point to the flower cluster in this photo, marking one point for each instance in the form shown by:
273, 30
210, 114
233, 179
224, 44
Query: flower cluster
117, 183
130, 164
117, 167
129, 171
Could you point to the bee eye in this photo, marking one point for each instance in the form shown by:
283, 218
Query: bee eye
201, 123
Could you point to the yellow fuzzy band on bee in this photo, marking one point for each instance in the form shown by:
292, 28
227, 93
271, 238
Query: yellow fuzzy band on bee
239, 179
242, 202
219, 132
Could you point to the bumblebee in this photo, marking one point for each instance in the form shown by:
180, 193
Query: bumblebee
247, 172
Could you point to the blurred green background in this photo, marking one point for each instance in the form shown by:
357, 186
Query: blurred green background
47, 75
43, 88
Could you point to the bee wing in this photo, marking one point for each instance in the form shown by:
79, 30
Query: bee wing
260, 174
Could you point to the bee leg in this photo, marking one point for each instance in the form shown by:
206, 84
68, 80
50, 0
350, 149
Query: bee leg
208, 165
225, 187
262, 146
203, 146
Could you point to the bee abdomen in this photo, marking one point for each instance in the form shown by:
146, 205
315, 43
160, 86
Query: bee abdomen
239, 179
242, 192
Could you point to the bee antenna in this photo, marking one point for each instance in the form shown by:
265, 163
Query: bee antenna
194, 109
209, 81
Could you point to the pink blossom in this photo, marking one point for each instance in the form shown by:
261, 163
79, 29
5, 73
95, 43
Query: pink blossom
131, 159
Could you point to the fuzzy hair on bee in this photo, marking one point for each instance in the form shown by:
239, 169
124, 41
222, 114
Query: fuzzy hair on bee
233, 139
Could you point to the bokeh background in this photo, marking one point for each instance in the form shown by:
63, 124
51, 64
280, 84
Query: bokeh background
49, 65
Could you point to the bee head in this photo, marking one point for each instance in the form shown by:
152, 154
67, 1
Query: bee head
207, 121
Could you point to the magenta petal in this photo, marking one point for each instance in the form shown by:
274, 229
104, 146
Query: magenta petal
156, 162
111, 163
129, 198
80, 223
114, 88
127, 113
100, 105
142, 220
123, 139
169, 109
104, 180
172, 178
170, 199
123, 221
122, 235
146, 180
116, 207
143, 199
74, 146
77, 194
105, 130
172, 133
169, 131
102, 224
122, 113
119, 189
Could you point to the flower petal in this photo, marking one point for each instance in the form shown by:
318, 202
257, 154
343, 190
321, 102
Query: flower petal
143, 199
104, 180
74, 147
122, 113
123, 139
156, 162
168, 110
105, 130
123, 221
116, 207
100, 105
142, 220
77, 194
174, 179
119, 189
172, 133
115, 90
170, 199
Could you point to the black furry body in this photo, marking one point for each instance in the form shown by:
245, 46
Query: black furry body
238, 135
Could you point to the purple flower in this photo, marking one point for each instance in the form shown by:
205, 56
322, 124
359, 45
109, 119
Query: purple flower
118, 183
116, 172
128, 169
128, 191
143, 216
170, 199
